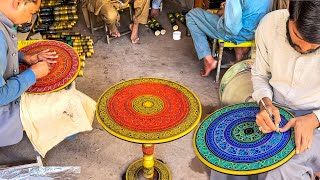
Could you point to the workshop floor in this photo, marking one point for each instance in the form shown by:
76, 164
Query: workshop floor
105, 157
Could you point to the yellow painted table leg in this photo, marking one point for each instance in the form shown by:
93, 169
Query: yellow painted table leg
148, 168
148, 160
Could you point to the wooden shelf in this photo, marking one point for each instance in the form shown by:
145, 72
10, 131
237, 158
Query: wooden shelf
24, 36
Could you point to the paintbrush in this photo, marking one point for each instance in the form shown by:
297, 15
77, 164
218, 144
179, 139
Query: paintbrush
269, 113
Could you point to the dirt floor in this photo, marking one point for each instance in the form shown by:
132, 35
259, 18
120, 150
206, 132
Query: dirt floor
102, 156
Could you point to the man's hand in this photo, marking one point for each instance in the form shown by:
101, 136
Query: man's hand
154, 12
41, 56
222, 8
303, 130
40, 69
266, 125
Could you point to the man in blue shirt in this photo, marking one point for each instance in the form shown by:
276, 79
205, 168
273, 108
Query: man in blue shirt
13, 84
235, 22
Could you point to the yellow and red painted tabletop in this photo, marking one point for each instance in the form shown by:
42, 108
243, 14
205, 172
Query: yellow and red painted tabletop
148, 110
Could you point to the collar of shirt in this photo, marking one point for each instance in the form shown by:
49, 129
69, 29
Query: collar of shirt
5, 20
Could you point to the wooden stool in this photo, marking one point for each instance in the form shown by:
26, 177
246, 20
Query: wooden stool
92, 28
223, 44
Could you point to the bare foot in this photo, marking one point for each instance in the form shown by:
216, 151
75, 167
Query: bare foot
209, 64
114, 32
241, 53
134, 33
154, 12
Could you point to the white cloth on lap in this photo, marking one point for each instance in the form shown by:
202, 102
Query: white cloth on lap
50, 118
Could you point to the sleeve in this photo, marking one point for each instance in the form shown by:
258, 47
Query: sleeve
13, 87
3, 57
20, 56
261, 69
156, 4
233, 17
317, 113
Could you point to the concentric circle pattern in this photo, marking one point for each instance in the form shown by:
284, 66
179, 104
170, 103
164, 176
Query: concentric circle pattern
61, 74
148, 110
229, 141
148, 105
246, 132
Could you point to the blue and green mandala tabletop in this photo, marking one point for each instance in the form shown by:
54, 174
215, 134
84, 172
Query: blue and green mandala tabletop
229, 141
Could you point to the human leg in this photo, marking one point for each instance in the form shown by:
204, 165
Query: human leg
11, 129
202, 24
209, 64
301, 166
241, 52
134, 33
110, 16
221, 176
141, 12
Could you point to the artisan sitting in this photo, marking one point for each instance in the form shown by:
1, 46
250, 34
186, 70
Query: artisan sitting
235, 22
107, 9
286, 72
13, 84
45, 120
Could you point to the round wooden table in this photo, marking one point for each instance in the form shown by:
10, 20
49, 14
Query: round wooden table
148, 111
229, 141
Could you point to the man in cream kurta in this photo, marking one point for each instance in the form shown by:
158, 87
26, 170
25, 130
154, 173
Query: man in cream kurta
287, 72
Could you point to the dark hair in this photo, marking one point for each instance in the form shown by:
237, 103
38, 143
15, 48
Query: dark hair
306, 15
